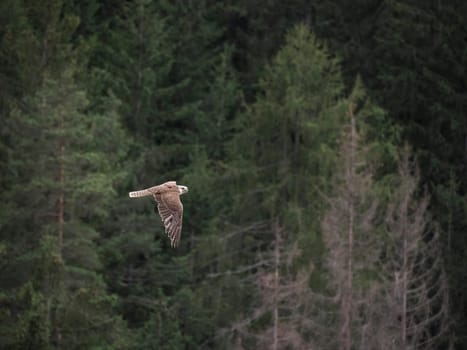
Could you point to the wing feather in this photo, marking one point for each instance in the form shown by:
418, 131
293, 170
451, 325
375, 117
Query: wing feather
146, 192
170, 209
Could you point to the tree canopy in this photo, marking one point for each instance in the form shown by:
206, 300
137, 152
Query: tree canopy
324, 145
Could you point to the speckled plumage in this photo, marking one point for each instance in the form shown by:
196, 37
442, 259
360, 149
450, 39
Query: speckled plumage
169, 206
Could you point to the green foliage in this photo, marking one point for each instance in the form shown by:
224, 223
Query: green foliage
289, 133
31, 327
241, 101
275, 171
65, 164
409, 55
34, 38
160, 332
257, 30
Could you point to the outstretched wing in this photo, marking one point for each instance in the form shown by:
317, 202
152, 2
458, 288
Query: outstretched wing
146, 192
171, 212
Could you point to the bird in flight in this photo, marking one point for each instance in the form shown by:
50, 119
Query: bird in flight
169, 206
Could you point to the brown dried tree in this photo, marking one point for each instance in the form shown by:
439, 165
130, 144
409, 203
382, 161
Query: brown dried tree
416, 304
279, 321
353, 248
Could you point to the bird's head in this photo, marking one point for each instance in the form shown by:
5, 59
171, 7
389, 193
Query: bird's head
182, 189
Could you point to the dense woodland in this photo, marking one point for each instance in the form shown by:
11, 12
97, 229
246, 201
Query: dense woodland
324, 143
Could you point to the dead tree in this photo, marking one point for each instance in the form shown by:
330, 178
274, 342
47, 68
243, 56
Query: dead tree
416, 299
349, 237
282, 294
285, 295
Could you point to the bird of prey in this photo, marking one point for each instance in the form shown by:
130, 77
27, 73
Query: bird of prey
169, 206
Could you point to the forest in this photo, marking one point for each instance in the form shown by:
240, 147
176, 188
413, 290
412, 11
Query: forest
324, 145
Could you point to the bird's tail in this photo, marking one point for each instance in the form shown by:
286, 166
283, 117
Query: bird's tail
142, 193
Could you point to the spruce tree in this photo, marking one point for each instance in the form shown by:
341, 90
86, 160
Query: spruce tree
409, 55
350, 236
180, 97
66, 165
417, 315
280, 161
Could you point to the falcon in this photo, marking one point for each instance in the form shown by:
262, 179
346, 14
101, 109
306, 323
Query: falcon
169, 206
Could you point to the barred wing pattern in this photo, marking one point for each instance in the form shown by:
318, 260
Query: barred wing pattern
151, 191
171, 212
169, 206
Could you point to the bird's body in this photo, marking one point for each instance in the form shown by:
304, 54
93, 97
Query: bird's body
169, 206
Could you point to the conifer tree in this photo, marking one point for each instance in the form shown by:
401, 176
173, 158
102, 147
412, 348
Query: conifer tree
66, 164
349, 234
280, 161
409, 55
417, 310
180, 96
33, 38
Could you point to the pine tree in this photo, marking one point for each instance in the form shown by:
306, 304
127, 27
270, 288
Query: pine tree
408, 53
291, 129
280, 160
417, 314
180, 95
66, 164
33, 39
257, 31
349, 234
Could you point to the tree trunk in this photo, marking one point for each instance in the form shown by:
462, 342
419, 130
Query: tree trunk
61, 220
348, 292
347, 297
61, 196
404, 295
275, 341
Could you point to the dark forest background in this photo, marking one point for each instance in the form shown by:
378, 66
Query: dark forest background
324, 144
